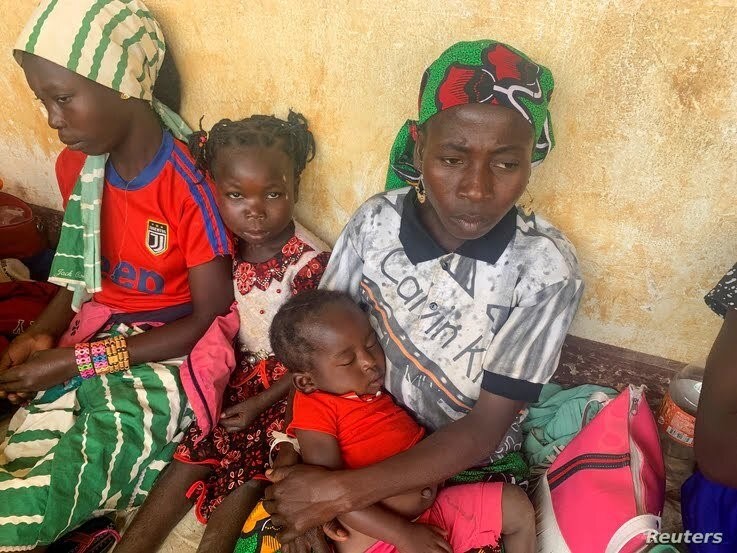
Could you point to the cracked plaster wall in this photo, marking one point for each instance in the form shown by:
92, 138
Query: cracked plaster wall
643, 178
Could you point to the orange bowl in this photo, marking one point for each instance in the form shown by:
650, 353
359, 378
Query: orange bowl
20, 238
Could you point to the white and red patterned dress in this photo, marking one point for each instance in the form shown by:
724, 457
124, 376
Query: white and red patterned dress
260, 289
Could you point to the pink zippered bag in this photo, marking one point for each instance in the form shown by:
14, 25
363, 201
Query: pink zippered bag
605, 491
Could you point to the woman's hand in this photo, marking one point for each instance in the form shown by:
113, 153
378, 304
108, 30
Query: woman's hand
18, 352
304, 497
313, 540
241, 415
424, 538
40, 371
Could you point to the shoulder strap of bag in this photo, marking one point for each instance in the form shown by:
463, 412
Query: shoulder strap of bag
631, 529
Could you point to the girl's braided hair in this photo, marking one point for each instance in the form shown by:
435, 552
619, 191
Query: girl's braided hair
292, 136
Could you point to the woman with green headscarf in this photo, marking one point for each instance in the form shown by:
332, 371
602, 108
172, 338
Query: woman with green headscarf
144, 260
471, 297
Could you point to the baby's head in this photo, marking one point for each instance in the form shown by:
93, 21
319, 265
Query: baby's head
328, 344
256, 164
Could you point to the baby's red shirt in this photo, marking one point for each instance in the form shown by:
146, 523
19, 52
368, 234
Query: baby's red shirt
369, 429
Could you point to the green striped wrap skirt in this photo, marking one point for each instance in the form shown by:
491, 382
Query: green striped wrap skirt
87, 448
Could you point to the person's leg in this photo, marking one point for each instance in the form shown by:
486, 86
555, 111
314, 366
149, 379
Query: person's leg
163, 509
471, 514
479, 516
226, 521
518, 521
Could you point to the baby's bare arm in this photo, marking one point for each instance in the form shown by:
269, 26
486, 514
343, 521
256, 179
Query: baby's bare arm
319, 448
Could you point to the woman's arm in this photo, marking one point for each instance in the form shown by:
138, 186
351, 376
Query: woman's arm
716, 420
212, 294
448, 451
55, 319
304, 497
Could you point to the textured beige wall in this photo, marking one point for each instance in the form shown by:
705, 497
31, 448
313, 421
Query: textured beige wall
643, 180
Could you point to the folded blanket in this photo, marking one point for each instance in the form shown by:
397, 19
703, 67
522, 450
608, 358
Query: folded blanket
557, 417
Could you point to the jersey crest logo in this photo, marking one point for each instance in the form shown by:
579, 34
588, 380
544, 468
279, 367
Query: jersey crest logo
157, 237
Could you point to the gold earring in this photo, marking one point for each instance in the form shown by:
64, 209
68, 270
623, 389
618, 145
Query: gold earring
527, 205
420, 190
124, 96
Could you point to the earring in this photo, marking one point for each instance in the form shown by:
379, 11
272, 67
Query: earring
124, 96
420, 190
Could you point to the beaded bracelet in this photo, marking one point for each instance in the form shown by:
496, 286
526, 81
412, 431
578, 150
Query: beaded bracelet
116, 349
83, 358
102, 357
99, 358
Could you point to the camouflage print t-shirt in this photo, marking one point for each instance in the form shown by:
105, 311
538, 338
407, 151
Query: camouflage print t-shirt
492, 315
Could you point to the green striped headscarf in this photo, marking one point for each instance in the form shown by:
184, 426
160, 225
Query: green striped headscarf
481, 72
118, 44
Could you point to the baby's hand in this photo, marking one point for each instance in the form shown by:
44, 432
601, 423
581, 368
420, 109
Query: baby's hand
240, 416
424, 538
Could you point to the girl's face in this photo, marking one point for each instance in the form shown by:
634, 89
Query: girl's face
347, 358
256, 190
475, 162
89, 117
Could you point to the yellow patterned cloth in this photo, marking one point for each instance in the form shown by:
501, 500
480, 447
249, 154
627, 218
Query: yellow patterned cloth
258, 534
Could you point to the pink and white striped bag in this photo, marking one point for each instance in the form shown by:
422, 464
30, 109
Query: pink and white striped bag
605, 491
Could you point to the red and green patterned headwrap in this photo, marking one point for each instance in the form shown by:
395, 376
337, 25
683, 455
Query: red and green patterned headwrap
481, 72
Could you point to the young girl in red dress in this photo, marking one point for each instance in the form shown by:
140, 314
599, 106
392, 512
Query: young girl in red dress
256, 164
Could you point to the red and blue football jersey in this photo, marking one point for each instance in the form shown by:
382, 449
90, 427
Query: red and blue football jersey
153, 229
